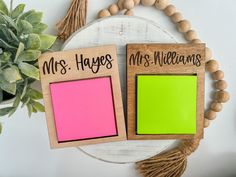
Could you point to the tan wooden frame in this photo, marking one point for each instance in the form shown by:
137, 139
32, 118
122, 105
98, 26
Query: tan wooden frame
74, 74
180, 69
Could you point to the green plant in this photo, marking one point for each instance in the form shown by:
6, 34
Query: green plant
21, 43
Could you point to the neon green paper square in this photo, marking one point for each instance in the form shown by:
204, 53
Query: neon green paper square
166, 104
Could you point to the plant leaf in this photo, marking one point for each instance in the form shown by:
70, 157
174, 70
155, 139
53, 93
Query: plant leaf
5, 111
34, 18
0, 128
8, 21
21, 48
33, 42
5, 45
24, 27
17, 100
30, 109
38, 106
39, 28
29, 70
25, 101
29, 55
6, 86
12, 74
5, 57
7, 35
24, 89
18, 10
47, 41
1, 95
3, 7
35, 94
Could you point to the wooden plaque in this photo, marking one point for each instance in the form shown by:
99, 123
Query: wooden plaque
160, 79
70, 79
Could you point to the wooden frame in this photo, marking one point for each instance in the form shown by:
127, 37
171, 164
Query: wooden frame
144, 63
63, 66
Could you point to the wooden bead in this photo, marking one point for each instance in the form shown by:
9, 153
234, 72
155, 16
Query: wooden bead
184, 26
206, 123
222, 96
177, 17
191, 35
148, 2
196, 41
136, 2
129, 12
210, 114
217, 107
208, 54
113, 9
104, 13
221, 85
170, 10
218, 75
212, 66
120, 4
128, 4
161, 4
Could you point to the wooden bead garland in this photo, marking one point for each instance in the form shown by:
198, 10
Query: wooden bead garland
221, 85
217, 107
212, 66
184, 26
148, 2
104, 13
218, 75
113, 9
222, 96
170, 10
161, 4
191, 35
128, 4
176, 17
136, 2
129, 13
210, 114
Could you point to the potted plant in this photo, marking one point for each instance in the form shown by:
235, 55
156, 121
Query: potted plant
21, 43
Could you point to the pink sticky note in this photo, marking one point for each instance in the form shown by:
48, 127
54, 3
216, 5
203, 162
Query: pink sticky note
83, 109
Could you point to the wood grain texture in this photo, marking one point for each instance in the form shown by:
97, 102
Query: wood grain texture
73, 73
121, 30
136, 67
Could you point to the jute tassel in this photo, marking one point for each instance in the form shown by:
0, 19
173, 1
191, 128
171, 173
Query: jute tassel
75, 19
169, 164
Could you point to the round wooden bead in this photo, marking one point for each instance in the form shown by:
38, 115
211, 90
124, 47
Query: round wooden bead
212, 66
221, 85
170, 10
191, 35
136, 2
128, 4
218, 75
222, 96
210, 114
184, 26
206, 123
161, 4
196, 41
208, 54
148, 2
104, 13
113, 9
120, 4
129, 12
177, 17
217, 107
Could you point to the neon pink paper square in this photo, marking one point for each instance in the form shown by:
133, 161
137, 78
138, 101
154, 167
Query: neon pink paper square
83, 109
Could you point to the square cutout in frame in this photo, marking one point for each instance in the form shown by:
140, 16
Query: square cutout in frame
93, 101
165, 91
82, 96
166, 104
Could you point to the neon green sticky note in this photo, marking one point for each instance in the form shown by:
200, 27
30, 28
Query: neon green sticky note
166, 104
